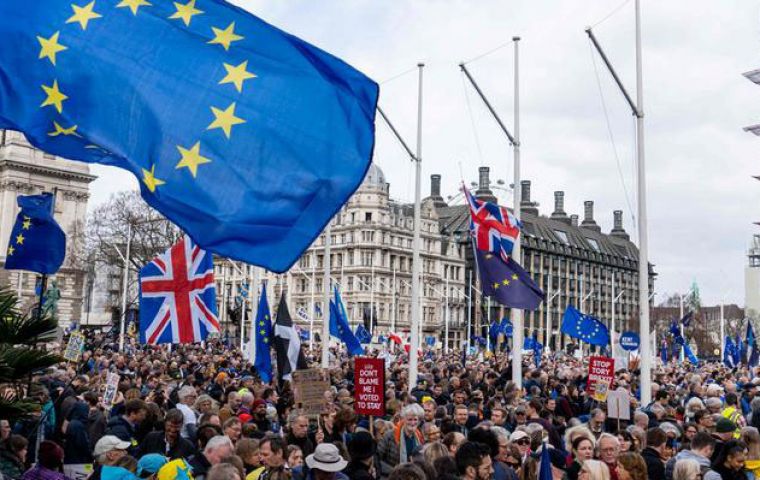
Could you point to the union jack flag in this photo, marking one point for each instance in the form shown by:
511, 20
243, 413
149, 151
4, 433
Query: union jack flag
177, 296
494, 229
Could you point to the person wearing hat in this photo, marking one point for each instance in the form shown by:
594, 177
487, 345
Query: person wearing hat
49, 463
326, 464
107, 452
149, 465
260, 415
733, 412
724, 431
522, 440
361, 449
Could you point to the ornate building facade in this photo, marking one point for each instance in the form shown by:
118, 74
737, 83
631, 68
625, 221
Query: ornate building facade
24, 170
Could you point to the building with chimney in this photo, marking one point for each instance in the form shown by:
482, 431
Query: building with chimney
25, 170
574, 263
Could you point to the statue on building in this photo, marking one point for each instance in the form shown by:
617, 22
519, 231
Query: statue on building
52, 296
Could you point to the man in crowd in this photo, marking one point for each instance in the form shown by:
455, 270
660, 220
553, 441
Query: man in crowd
169, 442
298, 433
474, 462
123, 426
217, 449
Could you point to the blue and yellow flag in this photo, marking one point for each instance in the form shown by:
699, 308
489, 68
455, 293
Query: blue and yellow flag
339, 327
507, 282
37, 243
247, 137
263, 361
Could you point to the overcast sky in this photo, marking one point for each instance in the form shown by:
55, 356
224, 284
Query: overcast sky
701, 198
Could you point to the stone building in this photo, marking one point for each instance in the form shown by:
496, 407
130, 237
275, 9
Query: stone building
25, 170
574, 263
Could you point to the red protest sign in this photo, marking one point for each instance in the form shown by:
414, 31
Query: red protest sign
599, 369
369, 386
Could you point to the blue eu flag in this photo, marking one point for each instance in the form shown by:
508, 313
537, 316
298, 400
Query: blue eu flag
245, 136
494, 331
339, 327
362, 334
37, 243
263, 363
507, 283
506, 327
584, 327
728, 352
753, 353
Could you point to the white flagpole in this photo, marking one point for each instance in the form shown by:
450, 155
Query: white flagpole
517, 314
393, 313
415, 324
681, 327
313, 301
124, 287
253, 290
326, 299
371, 294
446, 318
646, 365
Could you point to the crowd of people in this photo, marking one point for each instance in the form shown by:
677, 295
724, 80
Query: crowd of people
200, 412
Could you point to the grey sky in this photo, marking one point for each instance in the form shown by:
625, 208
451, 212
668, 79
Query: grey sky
702, 201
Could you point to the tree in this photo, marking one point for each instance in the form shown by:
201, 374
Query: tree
125, 217
21, 356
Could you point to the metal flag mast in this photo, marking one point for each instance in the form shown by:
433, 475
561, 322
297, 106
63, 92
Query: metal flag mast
638, 110
415, 325
517, 314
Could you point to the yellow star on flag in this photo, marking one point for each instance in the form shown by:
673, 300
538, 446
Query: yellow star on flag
225, 37
514, 276
54, 97
83, 15
496, 285
11, 250
192, 158
186, 11
27, 224
225, 119
49, 47
266, 340
237, 75
20, 239
59, 130
263, 332
134, 5
505, 282
150, 180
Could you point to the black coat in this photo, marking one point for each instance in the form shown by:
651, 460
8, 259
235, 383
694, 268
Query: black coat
655, 465
358, 471
155, 442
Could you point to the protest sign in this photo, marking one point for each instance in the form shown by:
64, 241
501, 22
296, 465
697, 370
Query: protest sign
601, 388
599, 368
74, 348
619, 404
309, 388
369, 386
112, 387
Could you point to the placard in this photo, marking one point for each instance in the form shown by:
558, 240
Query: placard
601, 389
619, 404
630, 341
369, 386
309, 387
75, 347
112, 387
599, 369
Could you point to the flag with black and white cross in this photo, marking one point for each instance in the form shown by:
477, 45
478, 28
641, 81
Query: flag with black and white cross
287, 344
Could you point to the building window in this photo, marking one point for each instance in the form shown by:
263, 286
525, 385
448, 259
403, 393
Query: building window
594, 244
562, 236
368, 217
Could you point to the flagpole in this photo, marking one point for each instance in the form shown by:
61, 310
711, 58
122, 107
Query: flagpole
243, 309
446, 318
547, 306
393, 292
253, 291
371, 293
326, 298
681, 327
488, 327
612, 322
469, 312
125, 279
313, 303
415, 324
517, 314
722, 332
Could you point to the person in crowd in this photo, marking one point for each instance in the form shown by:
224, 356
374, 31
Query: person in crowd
77, 445
233, 428
294, 456
230, 409
700, 451
733, 412
596, 421
217, 449
474, 461
169, 442
724, 431
107, 452
187, 396
729, 464
582, 449
751, 438
608, 450
149, 465
687, 470
124, 426
49, 463
595, 470
399, 444
326, 463
362, 449
223, 471
298, 433
273, 450
654, 453
626, 441
522, 440
633, 465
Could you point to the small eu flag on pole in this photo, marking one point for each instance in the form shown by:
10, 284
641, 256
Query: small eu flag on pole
37, 243
263, 360
247, 137
339, 327
507, 283
584, 327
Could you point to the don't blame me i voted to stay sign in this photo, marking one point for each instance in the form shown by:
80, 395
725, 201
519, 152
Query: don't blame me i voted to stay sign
369, 386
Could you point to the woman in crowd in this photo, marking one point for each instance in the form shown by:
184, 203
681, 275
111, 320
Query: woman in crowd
582, 449
751, 437
729, 464
634, 466
49, 463
12, 456
594, 470
626, 441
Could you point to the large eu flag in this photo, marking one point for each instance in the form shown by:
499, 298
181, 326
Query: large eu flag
584, 327
247, 137
507, 282
37, 243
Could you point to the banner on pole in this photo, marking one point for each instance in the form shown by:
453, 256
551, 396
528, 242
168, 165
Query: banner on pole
309, 390
112, 387
369, 382
619, 404
74, 348
599, 369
